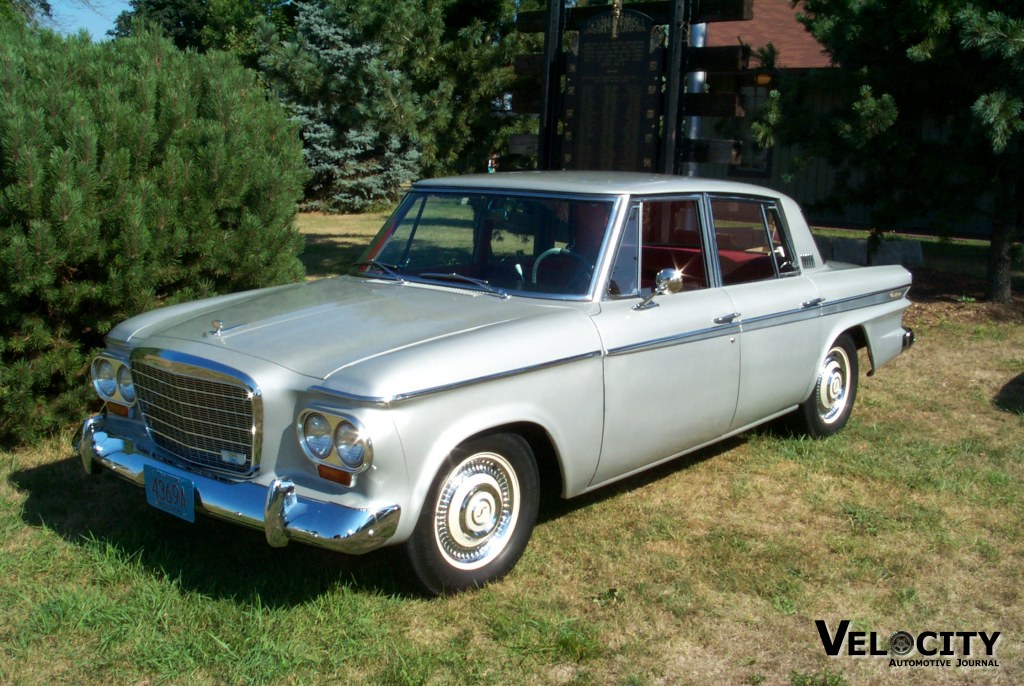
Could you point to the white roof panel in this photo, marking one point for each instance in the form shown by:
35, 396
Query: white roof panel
591, 182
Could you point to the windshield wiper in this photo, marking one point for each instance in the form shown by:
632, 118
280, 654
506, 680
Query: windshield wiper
453, 276
389, 270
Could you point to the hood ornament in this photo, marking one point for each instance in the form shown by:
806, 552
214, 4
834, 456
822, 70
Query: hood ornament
219, 328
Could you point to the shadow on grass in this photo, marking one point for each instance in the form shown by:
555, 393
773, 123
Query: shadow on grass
553, 507
226, 561
210, 557
1011, 396
329, 254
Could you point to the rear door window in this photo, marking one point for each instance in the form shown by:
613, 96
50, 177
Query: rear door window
751, 240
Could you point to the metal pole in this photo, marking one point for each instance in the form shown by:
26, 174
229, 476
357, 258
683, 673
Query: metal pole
677, 38
552, 85
695, 84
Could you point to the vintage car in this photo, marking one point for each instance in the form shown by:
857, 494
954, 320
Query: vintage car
504, 336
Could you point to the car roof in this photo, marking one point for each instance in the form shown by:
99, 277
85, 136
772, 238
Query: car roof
593, 182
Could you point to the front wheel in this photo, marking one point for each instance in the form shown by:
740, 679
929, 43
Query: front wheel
478, 515
828, 408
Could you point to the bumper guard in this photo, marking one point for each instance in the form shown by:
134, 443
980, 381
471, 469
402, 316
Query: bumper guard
908, 338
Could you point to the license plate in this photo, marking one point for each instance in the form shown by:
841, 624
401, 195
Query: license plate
170, 493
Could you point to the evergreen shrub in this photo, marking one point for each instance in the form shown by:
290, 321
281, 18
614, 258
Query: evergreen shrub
132, 175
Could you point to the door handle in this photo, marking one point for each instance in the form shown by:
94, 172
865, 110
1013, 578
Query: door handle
812, 303
726, 318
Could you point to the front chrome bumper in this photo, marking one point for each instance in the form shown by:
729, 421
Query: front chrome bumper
282, 514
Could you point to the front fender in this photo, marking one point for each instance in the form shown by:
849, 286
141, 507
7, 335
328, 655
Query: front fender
566, 401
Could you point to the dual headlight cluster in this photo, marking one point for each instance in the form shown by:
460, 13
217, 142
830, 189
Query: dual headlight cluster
335, 439
112, 380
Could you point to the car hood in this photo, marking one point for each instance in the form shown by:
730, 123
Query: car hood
321, 328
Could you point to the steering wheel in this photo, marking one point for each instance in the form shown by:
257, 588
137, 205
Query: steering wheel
586, 266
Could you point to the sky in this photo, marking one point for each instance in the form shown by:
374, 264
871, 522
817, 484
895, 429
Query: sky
95, 16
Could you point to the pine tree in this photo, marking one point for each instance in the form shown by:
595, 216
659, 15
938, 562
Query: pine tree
926, 123
456, 55
132, 175
230, 25
1000, 39
452, 58
25, 11
357, 115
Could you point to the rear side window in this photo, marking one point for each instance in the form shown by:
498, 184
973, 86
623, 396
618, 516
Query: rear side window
751, 241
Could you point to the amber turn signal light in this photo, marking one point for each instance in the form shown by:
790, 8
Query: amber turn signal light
338, 476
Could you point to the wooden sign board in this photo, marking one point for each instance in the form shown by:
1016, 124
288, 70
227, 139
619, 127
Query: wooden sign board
613, 83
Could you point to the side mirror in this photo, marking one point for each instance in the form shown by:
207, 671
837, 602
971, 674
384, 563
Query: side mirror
668, 280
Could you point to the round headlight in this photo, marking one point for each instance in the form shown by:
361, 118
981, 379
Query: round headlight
103, 378
125, 385
351, 447
316, 434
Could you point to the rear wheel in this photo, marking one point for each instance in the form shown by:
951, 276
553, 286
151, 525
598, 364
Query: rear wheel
828, 408
478, 515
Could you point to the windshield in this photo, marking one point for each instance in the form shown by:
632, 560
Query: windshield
493, 240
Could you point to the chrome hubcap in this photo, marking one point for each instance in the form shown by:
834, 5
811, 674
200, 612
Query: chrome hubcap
832, 385
477, 510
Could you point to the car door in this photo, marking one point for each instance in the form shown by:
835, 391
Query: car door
671, 368
775, 305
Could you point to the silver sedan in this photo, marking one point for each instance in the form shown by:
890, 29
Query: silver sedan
504, 336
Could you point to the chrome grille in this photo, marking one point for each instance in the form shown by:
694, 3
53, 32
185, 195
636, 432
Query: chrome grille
200, 414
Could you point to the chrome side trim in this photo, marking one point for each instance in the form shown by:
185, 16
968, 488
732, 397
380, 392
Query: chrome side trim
822, 308
812, 311
278, 510
413, 395
379, 401
768, 321
677, 339
867, 300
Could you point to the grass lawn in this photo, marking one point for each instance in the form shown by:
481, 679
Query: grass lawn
335, 241
709, 570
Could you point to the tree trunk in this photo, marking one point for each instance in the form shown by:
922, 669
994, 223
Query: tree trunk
1000, 263
1000, 258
